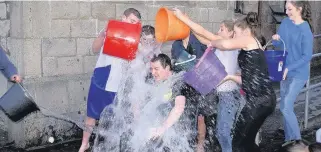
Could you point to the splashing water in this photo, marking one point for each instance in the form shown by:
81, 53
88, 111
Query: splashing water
126, 124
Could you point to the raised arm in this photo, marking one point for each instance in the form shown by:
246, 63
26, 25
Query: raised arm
232, 44
196, 28
203, 40
99, 41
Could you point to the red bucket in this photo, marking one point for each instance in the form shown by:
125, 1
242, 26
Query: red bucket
122, 39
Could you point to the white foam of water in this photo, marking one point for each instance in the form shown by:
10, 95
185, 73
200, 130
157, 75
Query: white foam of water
134, 90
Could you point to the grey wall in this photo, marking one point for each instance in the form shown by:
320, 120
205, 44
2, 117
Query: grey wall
50, 43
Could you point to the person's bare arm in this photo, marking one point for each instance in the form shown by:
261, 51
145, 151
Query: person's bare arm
172, 118
99, 41
235, 78
196, 28
201, 134
203, 40
175, 113
232, 44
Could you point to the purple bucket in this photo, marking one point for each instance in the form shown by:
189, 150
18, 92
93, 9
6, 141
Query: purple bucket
207, 74
276, 62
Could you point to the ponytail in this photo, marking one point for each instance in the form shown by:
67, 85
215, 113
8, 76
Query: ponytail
251, 21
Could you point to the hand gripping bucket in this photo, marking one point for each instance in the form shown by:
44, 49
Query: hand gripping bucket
185, 61
207, 74
17, 103
168, 27
122, 39
276, 62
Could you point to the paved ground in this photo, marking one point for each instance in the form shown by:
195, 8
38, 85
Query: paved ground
272, 136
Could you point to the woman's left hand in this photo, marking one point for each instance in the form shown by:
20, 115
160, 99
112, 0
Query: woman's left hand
178, 13
285, 73
156, 132
228, 77
209, 45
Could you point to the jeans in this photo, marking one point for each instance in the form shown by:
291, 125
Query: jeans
228, 108
290, 89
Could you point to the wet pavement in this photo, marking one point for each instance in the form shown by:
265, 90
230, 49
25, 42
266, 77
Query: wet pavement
271, 143
272, 135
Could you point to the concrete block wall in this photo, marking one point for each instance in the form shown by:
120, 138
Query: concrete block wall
269, 28
316, 16
50, 43
4, 32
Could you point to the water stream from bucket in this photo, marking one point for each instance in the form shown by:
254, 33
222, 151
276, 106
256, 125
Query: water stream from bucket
125, 126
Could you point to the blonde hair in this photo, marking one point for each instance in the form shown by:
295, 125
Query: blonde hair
228, 24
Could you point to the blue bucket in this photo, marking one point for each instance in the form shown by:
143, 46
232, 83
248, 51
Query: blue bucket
276, 62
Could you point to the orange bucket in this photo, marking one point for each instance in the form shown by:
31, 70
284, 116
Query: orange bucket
168, 27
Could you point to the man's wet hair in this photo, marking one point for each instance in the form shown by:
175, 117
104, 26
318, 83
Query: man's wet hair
163, 59
148, 30
133, 11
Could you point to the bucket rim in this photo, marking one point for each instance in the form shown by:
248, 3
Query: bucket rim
270, 42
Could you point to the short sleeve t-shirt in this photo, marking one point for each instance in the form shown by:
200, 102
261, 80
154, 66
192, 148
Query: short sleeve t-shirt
187, 120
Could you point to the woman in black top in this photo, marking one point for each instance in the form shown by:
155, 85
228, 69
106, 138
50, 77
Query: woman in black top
254, 79
255, 82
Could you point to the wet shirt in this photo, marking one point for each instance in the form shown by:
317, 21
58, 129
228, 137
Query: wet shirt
255, 77
187, 119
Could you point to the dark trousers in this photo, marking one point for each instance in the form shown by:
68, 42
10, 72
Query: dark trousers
252, 116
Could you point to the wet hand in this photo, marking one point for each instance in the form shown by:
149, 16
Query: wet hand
178, 13
210, 45
276, 37
228, 77
102, 33
285, 73
16, 78
156, 132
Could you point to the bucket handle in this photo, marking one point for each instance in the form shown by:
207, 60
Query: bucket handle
193, 58
269, 42
204, 55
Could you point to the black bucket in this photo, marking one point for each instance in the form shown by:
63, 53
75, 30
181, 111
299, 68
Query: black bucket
17, 103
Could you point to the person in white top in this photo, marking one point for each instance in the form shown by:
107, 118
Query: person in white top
105, 80
228, 94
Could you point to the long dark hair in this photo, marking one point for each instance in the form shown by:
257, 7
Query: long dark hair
251, 21
306, 11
